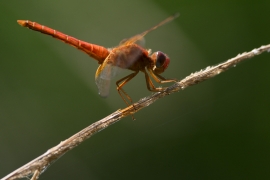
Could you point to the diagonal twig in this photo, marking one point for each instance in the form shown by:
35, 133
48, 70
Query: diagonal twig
40, 164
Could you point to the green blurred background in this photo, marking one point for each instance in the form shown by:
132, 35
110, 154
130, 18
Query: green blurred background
219, 129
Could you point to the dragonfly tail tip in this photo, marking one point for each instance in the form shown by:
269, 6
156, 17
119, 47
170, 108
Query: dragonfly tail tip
21, 22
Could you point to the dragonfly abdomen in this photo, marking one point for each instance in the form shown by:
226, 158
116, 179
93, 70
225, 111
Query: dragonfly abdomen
97, 52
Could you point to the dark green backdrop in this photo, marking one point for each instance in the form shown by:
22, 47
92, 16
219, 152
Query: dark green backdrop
219, 129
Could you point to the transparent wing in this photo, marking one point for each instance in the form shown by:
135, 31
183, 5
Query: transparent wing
104, 74
139, 37
140, 40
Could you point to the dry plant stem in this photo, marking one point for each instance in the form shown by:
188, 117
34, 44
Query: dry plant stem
39, 165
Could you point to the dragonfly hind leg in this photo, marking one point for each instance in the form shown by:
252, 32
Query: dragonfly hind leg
120, 83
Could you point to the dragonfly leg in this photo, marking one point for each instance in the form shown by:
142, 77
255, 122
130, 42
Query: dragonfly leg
160, 79
120, 83
151, 86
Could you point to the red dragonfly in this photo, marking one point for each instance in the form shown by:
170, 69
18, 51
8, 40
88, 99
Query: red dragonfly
128, 55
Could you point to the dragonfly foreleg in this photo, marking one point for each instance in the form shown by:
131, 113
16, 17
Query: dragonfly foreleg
158, 78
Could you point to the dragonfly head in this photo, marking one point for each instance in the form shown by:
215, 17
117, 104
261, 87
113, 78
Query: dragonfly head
161, 62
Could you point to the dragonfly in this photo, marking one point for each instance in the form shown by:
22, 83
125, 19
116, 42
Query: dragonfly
129, 54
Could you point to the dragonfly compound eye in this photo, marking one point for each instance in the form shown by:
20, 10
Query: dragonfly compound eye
162, 60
